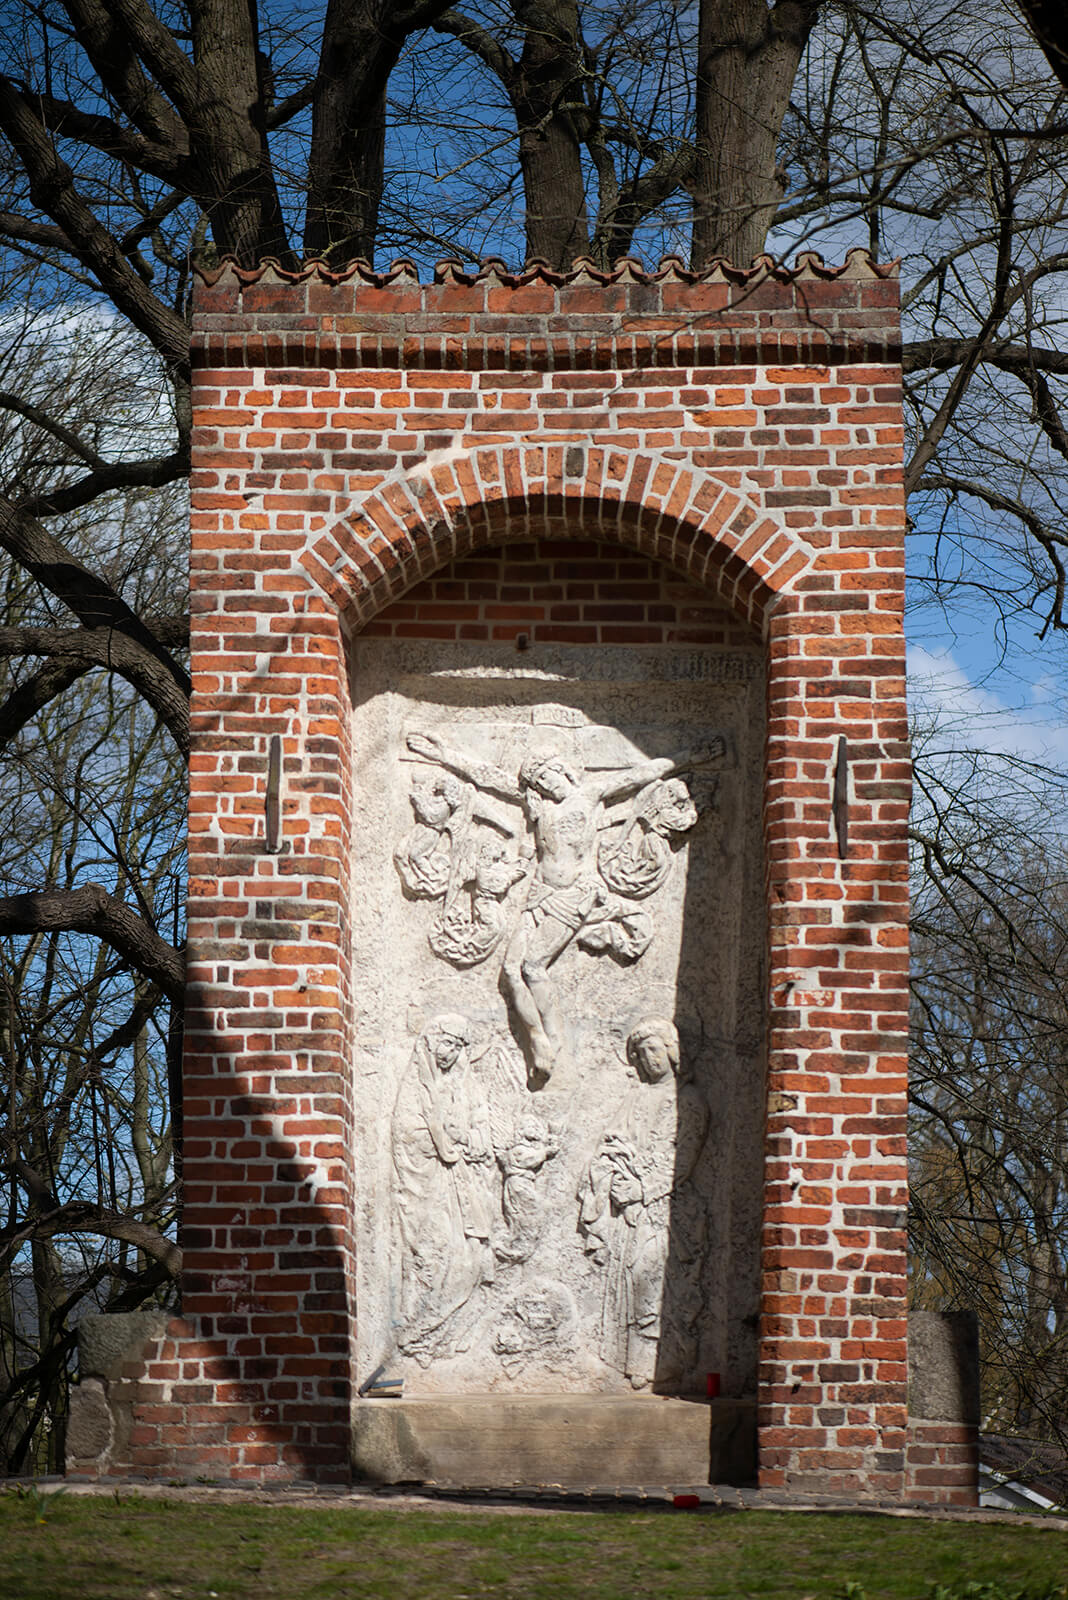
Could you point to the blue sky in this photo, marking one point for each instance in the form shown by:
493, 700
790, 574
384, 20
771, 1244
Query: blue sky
977, 666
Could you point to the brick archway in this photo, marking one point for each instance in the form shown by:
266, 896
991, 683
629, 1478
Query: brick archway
455, 502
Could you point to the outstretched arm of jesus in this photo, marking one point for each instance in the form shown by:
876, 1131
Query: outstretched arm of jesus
481, 773
618, 784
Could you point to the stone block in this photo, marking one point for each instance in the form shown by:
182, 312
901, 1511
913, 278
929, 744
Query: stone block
89, 1425
568, 1441
944, 1366
107, 1340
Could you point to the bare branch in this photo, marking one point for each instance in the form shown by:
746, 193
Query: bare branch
1049, 542
32, 696
151, 473
53, 190
938, 355
105, 40
1046, 411
94, 602
159, 50
474, 37
116, 652
166, 161
92, 910
78, 1217
49, 424
27, 231
1000, 300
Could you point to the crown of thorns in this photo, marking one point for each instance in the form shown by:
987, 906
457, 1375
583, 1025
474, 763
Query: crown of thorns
534, 766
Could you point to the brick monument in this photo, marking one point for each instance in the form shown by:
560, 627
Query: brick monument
548, 953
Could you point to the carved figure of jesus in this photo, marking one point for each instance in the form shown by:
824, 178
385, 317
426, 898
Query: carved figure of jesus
566, 893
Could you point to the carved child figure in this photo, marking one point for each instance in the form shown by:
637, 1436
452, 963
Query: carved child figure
521, 1202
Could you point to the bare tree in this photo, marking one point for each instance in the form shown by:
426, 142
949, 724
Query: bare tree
989, 1081
91, 818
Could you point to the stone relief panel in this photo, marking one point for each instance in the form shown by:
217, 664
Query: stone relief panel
559, 960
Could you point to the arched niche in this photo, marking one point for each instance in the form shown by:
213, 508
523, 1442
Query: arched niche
559, 1002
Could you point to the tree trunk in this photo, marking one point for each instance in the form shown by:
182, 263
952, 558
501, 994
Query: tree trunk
44, 1452
228, 129
548, 83
747, 60
362, 41
345, 168
14, 1409
346, 173
1049, 24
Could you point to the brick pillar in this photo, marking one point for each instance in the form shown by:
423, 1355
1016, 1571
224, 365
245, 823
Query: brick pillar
834, 1350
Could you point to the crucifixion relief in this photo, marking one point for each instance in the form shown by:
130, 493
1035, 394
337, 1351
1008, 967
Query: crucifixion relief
584, 866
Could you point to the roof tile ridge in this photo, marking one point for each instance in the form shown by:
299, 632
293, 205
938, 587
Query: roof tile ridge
536, 269
270, 266
452, 271
808, 265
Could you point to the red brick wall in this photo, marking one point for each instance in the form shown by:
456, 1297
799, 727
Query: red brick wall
943, 1463
560, 590
358, 434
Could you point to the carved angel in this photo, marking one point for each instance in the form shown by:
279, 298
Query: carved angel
442, 809
638, 861
448, 856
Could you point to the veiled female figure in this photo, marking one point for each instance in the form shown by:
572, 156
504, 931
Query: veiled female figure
443, 1167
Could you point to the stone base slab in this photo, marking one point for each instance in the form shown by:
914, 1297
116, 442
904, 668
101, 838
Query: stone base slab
571, 1441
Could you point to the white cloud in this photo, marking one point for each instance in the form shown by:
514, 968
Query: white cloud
1033, 727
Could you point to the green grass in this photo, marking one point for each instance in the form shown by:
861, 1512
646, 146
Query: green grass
67, 1547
